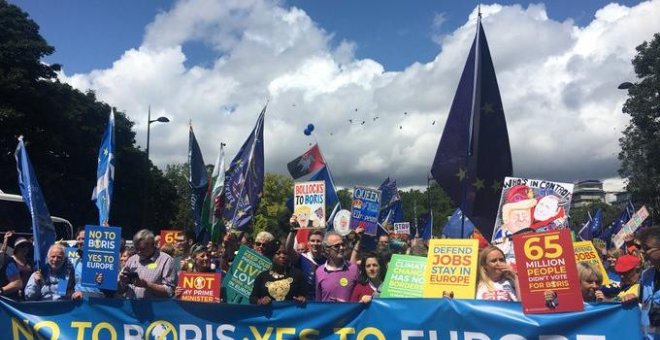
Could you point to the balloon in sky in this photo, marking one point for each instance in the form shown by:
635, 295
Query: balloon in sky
310, 127
307, 132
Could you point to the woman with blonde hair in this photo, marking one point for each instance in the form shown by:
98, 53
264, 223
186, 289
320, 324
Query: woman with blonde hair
497, 279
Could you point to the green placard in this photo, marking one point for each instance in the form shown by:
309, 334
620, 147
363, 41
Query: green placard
405, 277
240, 278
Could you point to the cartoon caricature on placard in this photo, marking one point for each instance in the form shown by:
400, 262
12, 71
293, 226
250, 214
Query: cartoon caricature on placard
530, 205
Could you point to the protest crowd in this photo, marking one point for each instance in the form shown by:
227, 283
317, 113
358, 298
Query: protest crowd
328, 267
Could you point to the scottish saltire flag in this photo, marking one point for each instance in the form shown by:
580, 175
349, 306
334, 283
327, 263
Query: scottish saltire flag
458, 226
474, 156
306, 163
212, 209
105, 172
43, 230
330, 190
198, 180
244, 181
425, 226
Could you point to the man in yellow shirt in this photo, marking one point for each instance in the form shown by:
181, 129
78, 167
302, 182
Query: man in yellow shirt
629, 268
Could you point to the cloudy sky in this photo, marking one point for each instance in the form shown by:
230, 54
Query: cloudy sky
330, 63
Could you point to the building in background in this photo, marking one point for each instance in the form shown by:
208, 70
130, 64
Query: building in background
587, 192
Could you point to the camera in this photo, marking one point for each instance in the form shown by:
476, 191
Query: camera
132, 276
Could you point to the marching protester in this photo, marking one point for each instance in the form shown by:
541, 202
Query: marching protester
281, 282
629, 268
200, 262
10, 276
372, 274
336, 278
308, 261
496, 279
590, 281
149, 273
57, 282
22, 248
261, 241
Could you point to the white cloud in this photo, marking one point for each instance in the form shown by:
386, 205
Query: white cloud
557, 80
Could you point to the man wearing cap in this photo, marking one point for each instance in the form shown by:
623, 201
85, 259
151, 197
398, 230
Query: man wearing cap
629, 268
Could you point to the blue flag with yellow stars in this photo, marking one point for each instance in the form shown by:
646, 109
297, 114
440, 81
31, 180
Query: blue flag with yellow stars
244, 181
474, 155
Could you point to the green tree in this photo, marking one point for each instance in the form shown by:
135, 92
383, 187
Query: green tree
640, 144
63, 128
416, 203
579, 215
272, 214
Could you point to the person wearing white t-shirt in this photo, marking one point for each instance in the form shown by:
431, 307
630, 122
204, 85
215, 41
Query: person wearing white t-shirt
497, 279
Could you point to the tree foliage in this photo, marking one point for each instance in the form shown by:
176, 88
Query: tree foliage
580, 215
272, 214
63, 128
640, 144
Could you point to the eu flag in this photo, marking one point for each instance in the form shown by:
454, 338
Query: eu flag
244, 181
390, 210
105, 172
425, 226
199, 183
458, 223
43, 230
474, 156
597, 223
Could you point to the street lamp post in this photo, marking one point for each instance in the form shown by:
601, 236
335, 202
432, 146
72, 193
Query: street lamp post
145, 217
149, 121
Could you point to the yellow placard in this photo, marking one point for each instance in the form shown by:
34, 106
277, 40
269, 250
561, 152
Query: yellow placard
586, 252
451, 266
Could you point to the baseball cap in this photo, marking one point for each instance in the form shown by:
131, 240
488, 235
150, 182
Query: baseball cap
626, 263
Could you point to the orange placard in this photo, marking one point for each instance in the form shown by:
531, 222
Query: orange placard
200, 287
169, 236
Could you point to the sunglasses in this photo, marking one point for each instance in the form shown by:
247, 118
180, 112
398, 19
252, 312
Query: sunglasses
260, 244
337, 246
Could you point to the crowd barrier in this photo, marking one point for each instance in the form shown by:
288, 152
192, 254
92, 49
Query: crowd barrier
414, 319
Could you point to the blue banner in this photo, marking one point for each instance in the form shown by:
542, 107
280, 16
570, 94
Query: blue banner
101, 257
381, 319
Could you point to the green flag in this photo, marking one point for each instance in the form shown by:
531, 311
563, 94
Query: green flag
212, 208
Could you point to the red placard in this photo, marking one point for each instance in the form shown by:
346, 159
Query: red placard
200, 287
546, 263
168, 236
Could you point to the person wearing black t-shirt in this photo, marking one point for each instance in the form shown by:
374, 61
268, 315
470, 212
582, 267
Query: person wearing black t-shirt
281, 282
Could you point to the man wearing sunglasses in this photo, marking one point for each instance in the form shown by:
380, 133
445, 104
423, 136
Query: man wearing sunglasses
337, 277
